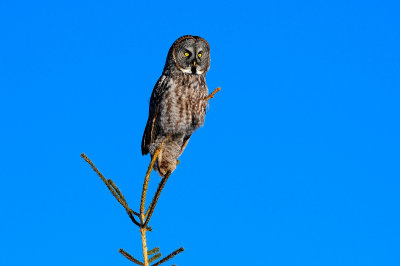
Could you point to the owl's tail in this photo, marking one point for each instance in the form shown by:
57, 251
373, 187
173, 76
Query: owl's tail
167, 158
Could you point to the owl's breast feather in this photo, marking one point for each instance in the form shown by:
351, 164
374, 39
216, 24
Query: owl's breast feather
183, 107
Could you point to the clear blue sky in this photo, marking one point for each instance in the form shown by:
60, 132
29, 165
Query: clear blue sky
297, 164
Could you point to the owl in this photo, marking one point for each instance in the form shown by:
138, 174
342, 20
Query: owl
178, 102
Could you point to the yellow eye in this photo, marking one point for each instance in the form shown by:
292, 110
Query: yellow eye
186, 54
199, 55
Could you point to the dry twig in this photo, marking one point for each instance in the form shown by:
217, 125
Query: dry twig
130, 257
170, 256
143, 216
153, 251
211, 95
113, 189
155, 257
153, 203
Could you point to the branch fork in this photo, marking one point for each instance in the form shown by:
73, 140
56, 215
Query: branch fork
142, 218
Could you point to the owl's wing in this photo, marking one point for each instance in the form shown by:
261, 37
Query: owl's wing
159, 89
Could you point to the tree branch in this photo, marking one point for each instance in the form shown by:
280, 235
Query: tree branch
211, 95
153, 203
170, 256
113, 189
130, 257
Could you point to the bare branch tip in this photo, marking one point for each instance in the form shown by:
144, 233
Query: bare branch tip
211, 95
130, 257
143, 216
170, 256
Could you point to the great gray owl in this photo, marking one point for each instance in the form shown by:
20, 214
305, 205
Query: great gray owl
178, 102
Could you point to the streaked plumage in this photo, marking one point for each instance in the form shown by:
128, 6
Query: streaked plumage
177, 104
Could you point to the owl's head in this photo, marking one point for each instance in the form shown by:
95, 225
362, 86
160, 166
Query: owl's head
191, 54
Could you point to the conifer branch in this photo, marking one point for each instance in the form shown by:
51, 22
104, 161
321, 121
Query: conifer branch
130, 257
155, 198
170, 256
143, 216
153, 251
147, 178
113, 189
155, 257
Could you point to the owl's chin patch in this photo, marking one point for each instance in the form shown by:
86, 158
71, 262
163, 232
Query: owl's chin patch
186, 70
192, 70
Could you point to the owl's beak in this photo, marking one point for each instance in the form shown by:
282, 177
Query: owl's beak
194, 70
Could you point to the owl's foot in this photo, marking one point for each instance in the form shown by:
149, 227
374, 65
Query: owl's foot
164, 167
